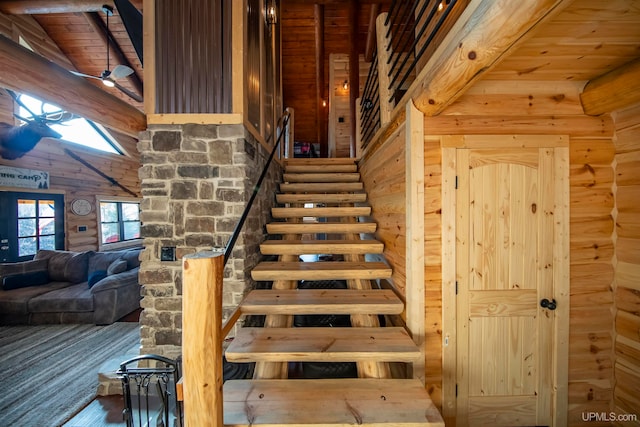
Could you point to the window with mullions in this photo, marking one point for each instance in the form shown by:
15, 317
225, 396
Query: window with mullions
36, 226
119, 221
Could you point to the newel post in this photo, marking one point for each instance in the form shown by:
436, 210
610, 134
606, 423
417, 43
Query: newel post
384, 81
202, 275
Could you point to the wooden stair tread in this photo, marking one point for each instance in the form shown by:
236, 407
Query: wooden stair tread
329, 403
321, 198
320, 227
321, 161
321, 168
330, 270
321, 187
320, 212
322, 301
321, 344
300, 247
321, 177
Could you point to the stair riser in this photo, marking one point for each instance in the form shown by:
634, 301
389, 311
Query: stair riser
346, 274
321, 198
320, 212
321, 169
321, 177
322, 247
322, 187
292, 228
322, 301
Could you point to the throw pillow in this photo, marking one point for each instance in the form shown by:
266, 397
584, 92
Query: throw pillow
23, 280
117, 266
96, 276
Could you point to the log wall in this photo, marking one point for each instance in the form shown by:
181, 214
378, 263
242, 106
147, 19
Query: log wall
498, 107
68, 176
626, 396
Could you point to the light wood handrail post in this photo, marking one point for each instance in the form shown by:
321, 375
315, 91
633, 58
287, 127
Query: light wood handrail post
384, 52
290, 133
201, 338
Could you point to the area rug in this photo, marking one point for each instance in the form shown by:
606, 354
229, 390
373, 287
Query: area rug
50, 372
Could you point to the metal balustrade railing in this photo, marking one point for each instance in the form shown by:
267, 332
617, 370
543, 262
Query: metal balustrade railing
370, 102
414, 30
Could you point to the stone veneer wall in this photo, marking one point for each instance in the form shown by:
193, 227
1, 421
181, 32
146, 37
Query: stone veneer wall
196, 181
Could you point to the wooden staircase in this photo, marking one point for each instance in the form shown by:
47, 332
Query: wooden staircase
332, 187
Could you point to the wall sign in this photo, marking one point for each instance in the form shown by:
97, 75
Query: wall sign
27, 178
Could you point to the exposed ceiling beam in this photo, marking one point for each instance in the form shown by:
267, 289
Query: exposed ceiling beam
41, 7
613, 91
26, 72
487, 32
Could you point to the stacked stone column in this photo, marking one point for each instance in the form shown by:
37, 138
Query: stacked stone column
196, 181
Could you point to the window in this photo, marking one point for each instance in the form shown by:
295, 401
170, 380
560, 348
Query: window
73, 128
30, 222
119, 221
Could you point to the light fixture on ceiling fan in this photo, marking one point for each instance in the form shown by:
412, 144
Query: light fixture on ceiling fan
109, 77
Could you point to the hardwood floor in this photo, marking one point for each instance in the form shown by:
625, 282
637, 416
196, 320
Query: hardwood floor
104, 411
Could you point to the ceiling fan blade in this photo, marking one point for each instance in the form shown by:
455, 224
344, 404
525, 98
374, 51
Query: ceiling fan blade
79, 74
120, 71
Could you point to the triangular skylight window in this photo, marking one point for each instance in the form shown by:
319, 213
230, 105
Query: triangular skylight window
73, 128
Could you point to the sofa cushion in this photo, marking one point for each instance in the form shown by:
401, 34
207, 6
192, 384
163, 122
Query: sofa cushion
24, 280
22, 267
100, 261
15, 302
95, 277
117, 266
74, 298
132, 256
66, 266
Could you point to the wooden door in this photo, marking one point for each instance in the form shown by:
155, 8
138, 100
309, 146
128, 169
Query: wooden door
508, 244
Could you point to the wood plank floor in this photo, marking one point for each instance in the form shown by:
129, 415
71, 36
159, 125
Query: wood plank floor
104, 411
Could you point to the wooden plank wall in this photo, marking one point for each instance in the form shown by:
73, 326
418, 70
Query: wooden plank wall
499, 107
339, 133
627, 258
383, 175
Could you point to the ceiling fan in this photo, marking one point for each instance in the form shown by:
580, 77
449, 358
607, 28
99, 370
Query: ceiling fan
109, 77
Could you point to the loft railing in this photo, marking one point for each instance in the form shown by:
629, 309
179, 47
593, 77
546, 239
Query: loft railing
408, 35
203, 333
370, 102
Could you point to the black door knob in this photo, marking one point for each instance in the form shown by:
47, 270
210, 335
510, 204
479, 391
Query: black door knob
551, 305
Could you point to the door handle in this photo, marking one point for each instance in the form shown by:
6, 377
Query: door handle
551, 305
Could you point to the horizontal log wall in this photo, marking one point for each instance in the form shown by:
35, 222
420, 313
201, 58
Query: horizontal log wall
627, 255
67, 175
75, 180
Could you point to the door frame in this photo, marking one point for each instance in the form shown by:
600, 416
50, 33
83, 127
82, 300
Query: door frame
560, 357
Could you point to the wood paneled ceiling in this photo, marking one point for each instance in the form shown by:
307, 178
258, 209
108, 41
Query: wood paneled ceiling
588, 39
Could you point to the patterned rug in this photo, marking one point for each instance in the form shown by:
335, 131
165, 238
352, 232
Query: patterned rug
50, 372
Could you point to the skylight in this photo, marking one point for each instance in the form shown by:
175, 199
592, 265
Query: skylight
73, 128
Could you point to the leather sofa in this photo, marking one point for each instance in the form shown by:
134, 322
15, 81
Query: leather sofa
70, 287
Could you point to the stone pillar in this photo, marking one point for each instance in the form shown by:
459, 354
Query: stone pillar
196, 181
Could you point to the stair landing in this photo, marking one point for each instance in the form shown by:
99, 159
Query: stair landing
338, 402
